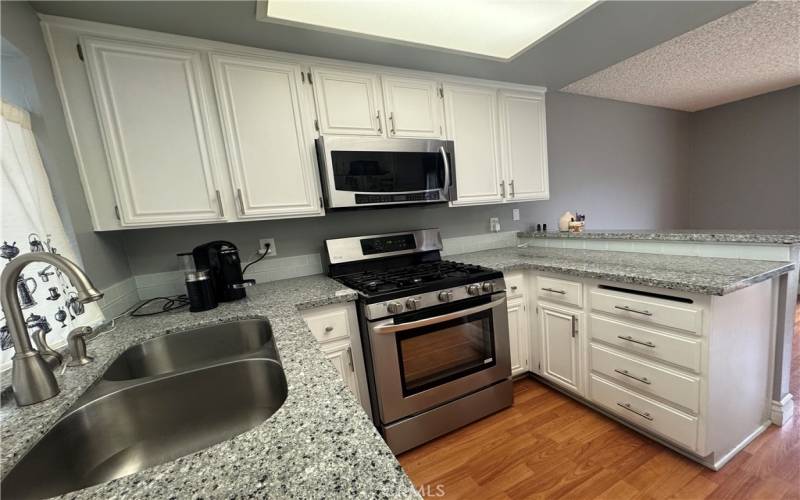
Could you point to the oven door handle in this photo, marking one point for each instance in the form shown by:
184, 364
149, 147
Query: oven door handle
446, 164
392, 328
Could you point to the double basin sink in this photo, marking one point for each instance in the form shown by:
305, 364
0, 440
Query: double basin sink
158, 401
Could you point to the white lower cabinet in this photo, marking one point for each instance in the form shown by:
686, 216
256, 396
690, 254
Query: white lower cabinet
336, 329
560, 348
518, 335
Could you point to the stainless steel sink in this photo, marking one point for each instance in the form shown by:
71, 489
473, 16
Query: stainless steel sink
148, 423
191, 348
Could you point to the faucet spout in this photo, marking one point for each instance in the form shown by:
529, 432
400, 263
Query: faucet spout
31, 377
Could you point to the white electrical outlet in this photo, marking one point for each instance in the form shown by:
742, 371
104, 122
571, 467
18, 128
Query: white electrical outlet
262, 244
515, 214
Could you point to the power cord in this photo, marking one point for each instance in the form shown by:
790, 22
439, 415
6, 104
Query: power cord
264, 251
170, 304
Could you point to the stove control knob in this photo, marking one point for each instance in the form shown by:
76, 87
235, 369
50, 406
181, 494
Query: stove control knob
394, 307
488, 287
445, 296
474, 290
412, 304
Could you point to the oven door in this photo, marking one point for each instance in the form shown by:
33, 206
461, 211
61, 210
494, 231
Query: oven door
422, 360
365, 172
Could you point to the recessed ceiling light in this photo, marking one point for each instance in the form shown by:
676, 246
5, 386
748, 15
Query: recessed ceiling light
498, 29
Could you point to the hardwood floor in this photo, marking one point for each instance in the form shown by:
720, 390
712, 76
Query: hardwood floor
549, 446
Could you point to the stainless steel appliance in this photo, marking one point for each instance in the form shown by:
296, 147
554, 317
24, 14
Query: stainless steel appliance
434, 334
370, 171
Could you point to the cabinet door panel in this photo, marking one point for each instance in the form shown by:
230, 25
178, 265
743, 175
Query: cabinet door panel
518, 335
152, 111
347, 102
471, 115
413, 107
340, 355
524, 145
267, 136
560, 358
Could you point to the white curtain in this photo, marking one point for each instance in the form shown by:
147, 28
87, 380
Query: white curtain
30, 223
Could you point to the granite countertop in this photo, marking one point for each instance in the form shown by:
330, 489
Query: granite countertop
764, 237
704, 275
319, 444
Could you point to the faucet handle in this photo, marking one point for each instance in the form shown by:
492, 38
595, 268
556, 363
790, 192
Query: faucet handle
76, 342
52, 357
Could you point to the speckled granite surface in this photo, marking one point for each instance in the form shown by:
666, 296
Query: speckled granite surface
702, 275
319, 444
764, 237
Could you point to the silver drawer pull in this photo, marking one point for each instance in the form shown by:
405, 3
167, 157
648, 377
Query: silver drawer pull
631, 409
628, 309
627, 374
562, 292
631, 339
328, 329
513, 287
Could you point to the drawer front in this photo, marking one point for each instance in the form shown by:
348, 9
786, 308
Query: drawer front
653, 311
680, 351
328, 324
683, 390
515, 284
569, 292
645, 412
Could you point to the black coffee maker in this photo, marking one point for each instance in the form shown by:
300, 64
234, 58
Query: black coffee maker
221, 258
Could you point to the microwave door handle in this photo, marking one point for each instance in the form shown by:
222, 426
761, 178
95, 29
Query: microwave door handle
392, 328
446, 187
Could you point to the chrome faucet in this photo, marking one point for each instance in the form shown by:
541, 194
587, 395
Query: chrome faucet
31, 377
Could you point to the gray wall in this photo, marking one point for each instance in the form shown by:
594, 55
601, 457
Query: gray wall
622, 164
745, 164
27, 81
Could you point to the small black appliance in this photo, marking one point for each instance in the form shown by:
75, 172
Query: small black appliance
221, 259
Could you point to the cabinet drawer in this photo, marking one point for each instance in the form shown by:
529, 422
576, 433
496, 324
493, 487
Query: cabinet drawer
646, 377
515, 284
654, 311
328, 323
645, 412
569, 292
664, 346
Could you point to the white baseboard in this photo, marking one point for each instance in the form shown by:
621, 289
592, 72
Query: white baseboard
782, 411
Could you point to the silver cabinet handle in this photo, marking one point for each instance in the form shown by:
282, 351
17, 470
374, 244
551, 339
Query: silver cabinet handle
392, 328
631, 339
328, 329
380, 125
241, 200
630, 310
350, 358
562, 292
219, 204
628, 374
503, 189
631, 409
574, 326
513, 287
391, 122
511, 186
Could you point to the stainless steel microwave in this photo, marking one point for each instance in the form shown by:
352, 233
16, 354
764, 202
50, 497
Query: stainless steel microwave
369, 171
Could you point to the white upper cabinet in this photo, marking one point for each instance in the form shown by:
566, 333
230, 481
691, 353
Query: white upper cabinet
413, 107
151, 107
524, 145
269, 135
348, 102
471, 114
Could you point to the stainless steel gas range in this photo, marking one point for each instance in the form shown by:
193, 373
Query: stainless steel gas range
434, 334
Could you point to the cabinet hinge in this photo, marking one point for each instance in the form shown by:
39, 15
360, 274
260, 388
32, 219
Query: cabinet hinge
116, 211
80, 51
320, 202
303, 76
441, 92
540, 366
316, 125
310, 80
537, 309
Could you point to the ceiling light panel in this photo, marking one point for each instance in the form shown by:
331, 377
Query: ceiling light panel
498, 29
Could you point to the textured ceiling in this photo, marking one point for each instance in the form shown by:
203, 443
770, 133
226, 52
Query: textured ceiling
751, 51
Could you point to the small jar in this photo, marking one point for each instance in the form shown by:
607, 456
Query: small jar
200, 291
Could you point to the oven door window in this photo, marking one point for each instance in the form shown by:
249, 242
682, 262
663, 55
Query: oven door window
439, 353
387, 172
